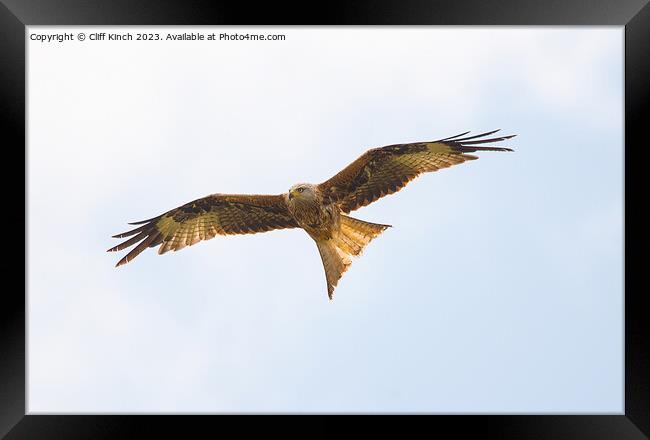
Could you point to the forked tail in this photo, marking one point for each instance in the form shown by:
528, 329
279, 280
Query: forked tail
353, 236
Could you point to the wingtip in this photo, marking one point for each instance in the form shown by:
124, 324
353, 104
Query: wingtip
460, 139
453, 137
490, 132
142, 222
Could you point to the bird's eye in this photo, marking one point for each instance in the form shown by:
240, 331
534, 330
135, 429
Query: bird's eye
301, 190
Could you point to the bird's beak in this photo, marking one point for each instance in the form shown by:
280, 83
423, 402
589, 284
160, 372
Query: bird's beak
290, 194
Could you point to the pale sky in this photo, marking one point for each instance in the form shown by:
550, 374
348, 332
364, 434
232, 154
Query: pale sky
498, 289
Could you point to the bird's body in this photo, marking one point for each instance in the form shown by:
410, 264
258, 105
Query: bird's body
305, 203
337, 236
320, 209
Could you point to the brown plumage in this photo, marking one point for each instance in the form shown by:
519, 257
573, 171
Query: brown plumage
318, 209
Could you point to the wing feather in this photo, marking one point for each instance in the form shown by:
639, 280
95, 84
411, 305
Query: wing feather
203, 219
386, 170
139, 248
128, 243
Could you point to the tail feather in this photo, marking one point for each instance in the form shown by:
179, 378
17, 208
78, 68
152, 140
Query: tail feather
351, 239
335, 262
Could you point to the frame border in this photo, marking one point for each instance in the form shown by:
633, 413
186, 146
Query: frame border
15, 15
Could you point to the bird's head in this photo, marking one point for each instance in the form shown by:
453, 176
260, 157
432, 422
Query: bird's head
302, 191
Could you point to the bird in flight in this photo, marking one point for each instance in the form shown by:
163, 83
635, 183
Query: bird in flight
320, 209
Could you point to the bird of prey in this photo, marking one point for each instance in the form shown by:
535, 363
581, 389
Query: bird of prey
320, 209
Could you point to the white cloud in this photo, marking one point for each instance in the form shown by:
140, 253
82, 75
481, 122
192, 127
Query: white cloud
123, 132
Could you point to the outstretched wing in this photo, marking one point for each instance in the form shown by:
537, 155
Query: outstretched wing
385, 170
202, 219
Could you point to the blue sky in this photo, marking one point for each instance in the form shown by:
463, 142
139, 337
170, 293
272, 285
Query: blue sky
498, 289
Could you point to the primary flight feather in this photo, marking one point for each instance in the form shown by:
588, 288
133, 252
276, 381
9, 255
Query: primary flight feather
321, 209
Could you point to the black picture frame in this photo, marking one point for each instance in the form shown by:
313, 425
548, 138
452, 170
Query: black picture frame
16, 14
